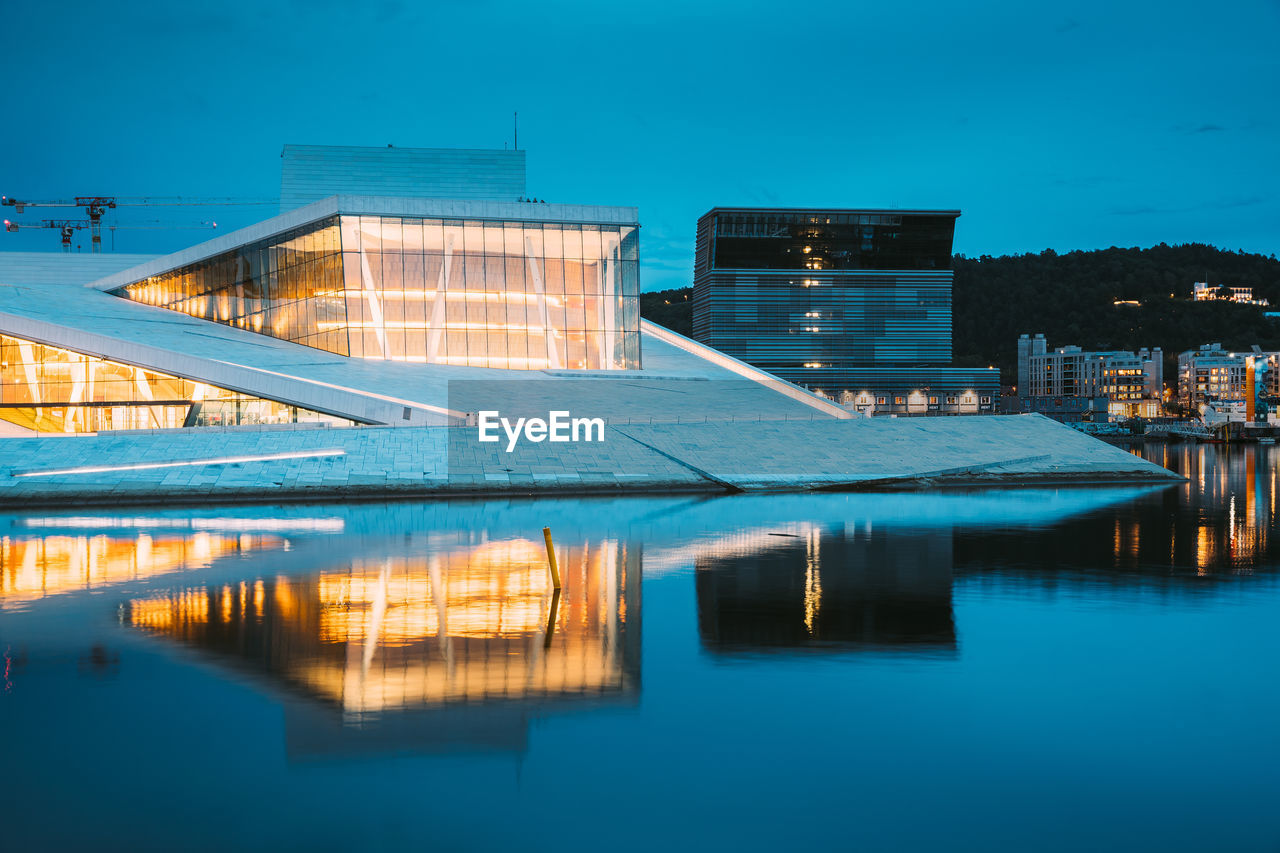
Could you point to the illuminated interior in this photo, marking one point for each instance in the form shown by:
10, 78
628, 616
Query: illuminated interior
513, 295
47, 389
460, 626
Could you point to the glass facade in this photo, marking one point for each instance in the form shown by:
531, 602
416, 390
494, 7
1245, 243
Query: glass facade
855, 305
47, 389
784, 321
502, 294
832, 240
287, 287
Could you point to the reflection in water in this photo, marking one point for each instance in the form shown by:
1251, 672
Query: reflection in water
32, 567
449, 630
1111, 646
1241, 480
827, 588
1216, 524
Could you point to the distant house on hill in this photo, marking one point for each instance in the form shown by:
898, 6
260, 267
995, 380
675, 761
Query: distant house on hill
1202, 292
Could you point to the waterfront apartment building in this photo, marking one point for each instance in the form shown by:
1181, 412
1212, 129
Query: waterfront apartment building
1131, 382
1212, 374
852, 304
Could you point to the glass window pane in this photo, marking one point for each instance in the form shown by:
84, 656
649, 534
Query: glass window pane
493, 239
370, 234
392, 234
533, 240
572, 242
552, 242
513, 239
590, 242
412, 235
432, 235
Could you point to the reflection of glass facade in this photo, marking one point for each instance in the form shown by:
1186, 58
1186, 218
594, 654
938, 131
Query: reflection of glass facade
35, 567
48, 389
504, 294
827, 589
463, 627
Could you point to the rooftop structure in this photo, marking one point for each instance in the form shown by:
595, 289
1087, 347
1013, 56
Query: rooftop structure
312, 172
854, 304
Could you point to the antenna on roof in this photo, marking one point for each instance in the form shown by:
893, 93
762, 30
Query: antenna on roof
515, 127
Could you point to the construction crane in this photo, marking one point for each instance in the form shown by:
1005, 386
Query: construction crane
68, 227
96, 206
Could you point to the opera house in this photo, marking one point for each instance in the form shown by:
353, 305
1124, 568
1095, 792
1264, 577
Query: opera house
345, 347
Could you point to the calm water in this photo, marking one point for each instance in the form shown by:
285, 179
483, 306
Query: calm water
1052, 669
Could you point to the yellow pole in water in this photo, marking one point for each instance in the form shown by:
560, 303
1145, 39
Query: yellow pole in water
551, 618
551, 558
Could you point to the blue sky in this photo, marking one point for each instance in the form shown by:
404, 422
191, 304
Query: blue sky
1065, 126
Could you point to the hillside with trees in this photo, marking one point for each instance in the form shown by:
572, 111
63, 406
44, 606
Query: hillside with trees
1072, 298
670, 308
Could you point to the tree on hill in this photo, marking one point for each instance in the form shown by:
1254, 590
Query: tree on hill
670, 308
1072, 298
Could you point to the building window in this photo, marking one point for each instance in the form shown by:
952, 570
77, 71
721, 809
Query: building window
512, 295
48, 389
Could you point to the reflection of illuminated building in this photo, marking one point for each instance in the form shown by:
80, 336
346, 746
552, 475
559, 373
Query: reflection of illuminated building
1218, 522
35, 567
458, 629
1233, 479
828, 589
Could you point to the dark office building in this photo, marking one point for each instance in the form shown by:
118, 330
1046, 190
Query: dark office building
854, 304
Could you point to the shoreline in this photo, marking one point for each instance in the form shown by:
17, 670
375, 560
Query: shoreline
67, 499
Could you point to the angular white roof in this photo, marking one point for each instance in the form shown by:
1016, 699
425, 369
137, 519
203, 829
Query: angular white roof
63, 267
